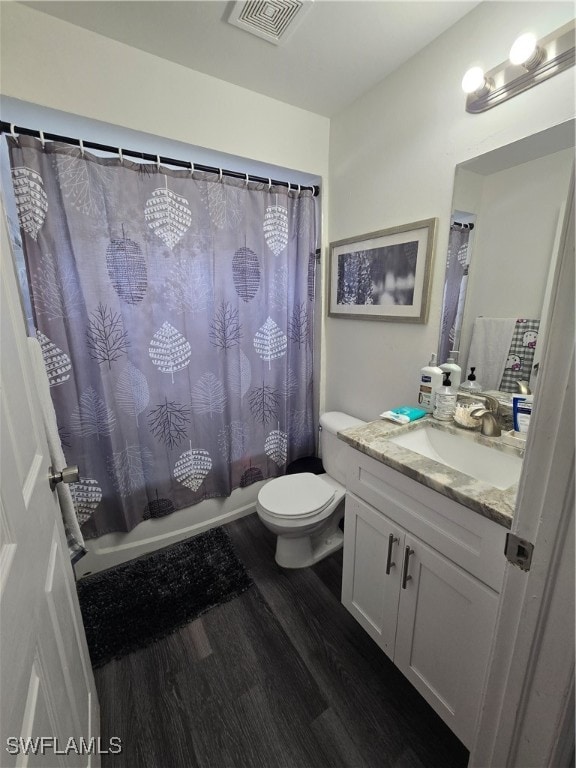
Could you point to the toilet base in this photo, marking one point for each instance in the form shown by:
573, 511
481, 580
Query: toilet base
302, 552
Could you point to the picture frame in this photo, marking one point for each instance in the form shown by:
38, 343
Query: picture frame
383, 275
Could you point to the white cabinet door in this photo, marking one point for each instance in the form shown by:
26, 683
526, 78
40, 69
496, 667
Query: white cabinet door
446, 620
371, 571
46, 681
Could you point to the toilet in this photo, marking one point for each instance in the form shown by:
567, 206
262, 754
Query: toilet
305, 510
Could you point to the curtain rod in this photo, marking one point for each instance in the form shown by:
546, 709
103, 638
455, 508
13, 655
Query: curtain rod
13, 130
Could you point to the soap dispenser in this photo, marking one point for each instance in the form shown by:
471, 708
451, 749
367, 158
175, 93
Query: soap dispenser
471, 385
445, 405
430, 379
451, 366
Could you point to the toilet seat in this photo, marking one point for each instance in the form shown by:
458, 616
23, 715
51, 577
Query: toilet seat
295, 496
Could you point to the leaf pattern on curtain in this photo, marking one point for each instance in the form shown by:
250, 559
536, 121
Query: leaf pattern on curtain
58, 295
233, 440
106, 337
276, 446
250, 476
225, 328
169, 350
246, 273
276, 228
82, 183
31, 199
169, 422
92, 417
270, 342
240, 377
192, 467
132, 391
158, 508
224, 204
56, 362
264, 403
208, 395
86, 495
188, 287
279, 288
298, 325
175, 312
168, 215
127, 468
312, 277
127, 269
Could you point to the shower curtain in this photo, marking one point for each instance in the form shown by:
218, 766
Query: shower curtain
175, 315
455, 286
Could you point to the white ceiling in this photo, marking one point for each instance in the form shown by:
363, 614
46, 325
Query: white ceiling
341, 49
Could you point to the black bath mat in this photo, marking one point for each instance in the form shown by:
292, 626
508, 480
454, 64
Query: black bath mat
136, 603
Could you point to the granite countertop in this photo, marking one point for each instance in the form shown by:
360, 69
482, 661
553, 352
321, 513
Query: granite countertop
373, 440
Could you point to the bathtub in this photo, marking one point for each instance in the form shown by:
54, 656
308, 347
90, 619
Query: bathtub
115, 548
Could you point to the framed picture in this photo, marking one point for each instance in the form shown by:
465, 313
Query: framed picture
383, 275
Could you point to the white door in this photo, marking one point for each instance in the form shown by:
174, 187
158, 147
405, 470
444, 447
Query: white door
46, 682
446, 619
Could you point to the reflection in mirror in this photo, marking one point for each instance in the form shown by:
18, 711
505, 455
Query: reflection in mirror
507, 212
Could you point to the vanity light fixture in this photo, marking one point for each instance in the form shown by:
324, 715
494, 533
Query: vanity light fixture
526, 52
474, 81
531, 61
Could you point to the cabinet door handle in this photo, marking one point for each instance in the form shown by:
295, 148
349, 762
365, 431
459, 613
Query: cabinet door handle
405, 577
389, 564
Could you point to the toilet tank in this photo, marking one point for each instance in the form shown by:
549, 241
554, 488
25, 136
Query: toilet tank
332, 448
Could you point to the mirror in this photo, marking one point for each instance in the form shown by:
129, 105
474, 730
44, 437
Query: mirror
507, 211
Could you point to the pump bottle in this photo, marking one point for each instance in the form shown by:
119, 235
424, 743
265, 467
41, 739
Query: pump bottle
430, 379
445, 404
451, 366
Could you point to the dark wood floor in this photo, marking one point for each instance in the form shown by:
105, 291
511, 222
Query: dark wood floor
281, 677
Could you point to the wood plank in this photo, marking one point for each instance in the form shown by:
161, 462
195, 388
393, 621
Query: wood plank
281, 677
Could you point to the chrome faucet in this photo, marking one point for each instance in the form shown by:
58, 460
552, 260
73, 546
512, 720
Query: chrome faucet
490, 426
489, 413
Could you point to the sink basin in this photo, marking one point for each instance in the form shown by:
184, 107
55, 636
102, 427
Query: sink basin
501, 470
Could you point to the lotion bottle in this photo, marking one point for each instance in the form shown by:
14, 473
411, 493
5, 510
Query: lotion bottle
451, 366
430, 379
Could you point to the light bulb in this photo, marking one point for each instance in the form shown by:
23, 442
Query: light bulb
473, 80
524, 49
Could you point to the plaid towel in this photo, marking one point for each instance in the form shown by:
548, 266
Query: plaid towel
521, 355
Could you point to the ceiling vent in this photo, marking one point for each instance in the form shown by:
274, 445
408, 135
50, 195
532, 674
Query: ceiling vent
272, 20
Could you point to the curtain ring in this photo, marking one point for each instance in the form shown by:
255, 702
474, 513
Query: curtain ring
247, 180
269, 184
191, 169
298, 188
120, 155
81, 143
158, 162
42, 139
219, 174
13, 131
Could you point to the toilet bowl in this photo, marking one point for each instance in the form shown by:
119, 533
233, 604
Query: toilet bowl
305, 510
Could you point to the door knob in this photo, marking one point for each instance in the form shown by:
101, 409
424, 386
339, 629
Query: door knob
67, 475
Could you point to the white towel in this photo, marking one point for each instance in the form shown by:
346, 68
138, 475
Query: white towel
57, 457
489, 348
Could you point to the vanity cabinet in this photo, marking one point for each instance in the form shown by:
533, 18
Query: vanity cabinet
422, 576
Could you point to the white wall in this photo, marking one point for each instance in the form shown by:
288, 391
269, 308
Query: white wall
517, 219
52, 63
392, 153
392, 160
